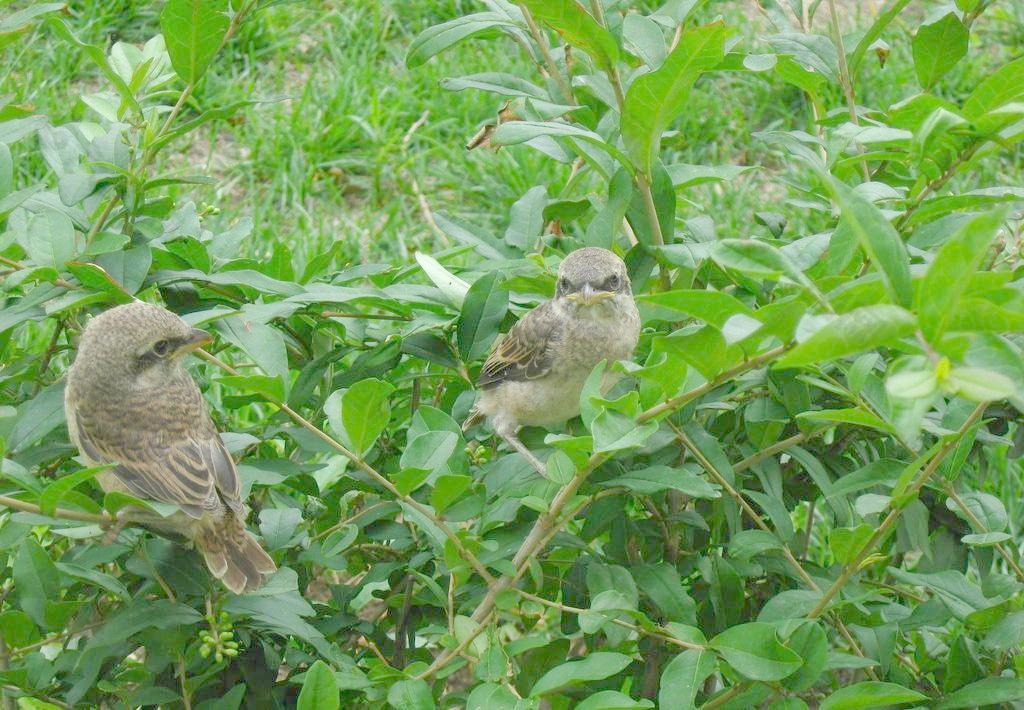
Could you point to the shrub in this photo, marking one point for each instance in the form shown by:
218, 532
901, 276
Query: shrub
793, 499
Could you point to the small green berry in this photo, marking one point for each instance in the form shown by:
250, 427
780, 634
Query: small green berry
204, 651
230, 651
219, 656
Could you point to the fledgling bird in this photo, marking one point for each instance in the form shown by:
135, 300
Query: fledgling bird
534, 376
130, 402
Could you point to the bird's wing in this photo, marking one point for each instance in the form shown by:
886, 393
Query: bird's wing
525, 353
184, 472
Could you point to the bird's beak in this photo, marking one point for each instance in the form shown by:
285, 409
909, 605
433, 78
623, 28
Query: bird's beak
195, 340
587, 296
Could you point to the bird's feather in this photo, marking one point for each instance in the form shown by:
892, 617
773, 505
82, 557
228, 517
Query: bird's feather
187, 471
525, 353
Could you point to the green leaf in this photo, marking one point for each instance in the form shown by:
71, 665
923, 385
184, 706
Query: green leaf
360, 413
447, 490
950, 272
713, 307
54, 493
614, 431
683, 677
515, 132
656, 479
662, 583
755, 652
51, 239
845, 543
985, 507
578, 28
879, 240
438, 38
860, 329
37, 417
1006, 84
483, 309
491, 696
270, 388
596, 666
852, 415
263, 343
655, 99
989, 691
319, 689
278, 525
937, 47
36, 580
612, 700
870, 694
748, 543
978, 384
193, 31
410, 695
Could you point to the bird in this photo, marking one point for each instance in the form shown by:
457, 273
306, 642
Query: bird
130, 403
535, 374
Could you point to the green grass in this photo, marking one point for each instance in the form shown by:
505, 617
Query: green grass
327, 156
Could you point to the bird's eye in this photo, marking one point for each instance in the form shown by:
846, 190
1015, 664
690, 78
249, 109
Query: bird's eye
563, 284
161, 347
612, 283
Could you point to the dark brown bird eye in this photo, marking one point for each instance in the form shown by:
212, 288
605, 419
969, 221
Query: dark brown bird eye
563, 284
161, 347
613, 283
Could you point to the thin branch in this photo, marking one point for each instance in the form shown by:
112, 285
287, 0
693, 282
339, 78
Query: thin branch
980, 527
549, 61
937, 183
659, 634
679, 401
708, 466
368, 470
894, 515
846, 81
64, 513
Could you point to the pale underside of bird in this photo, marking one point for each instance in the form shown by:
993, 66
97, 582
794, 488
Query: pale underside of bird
130, 402
535, 374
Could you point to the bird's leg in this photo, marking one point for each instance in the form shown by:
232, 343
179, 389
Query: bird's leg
512, 440
120, 521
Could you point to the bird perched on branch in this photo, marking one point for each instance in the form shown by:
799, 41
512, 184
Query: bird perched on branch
130, 402
534, 376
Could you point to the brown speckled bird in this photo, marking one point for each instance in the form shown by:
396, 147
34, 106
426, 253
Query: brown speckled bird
534, 376
130, 402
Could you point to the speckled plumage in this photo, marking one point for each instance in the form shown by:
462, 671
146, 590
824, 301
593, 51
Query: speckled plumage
128, 402
534, 375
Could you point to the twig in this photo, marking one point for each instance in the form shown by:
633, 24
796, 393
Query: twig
980, 527
713, 471
367, 316
18, 265
186, 698
346, 521
659, 634
677, 402
726, 696
442, 660
64, 513
938, 182
545, 52
846, 81
368, 470
894, 515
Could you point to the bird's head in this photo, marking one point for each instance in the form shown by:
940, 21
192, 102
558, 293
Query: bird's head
592, 281
137, 341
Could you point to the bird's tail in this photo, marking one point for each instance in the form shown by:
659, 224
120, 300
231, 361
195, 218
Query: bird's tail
233, 555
